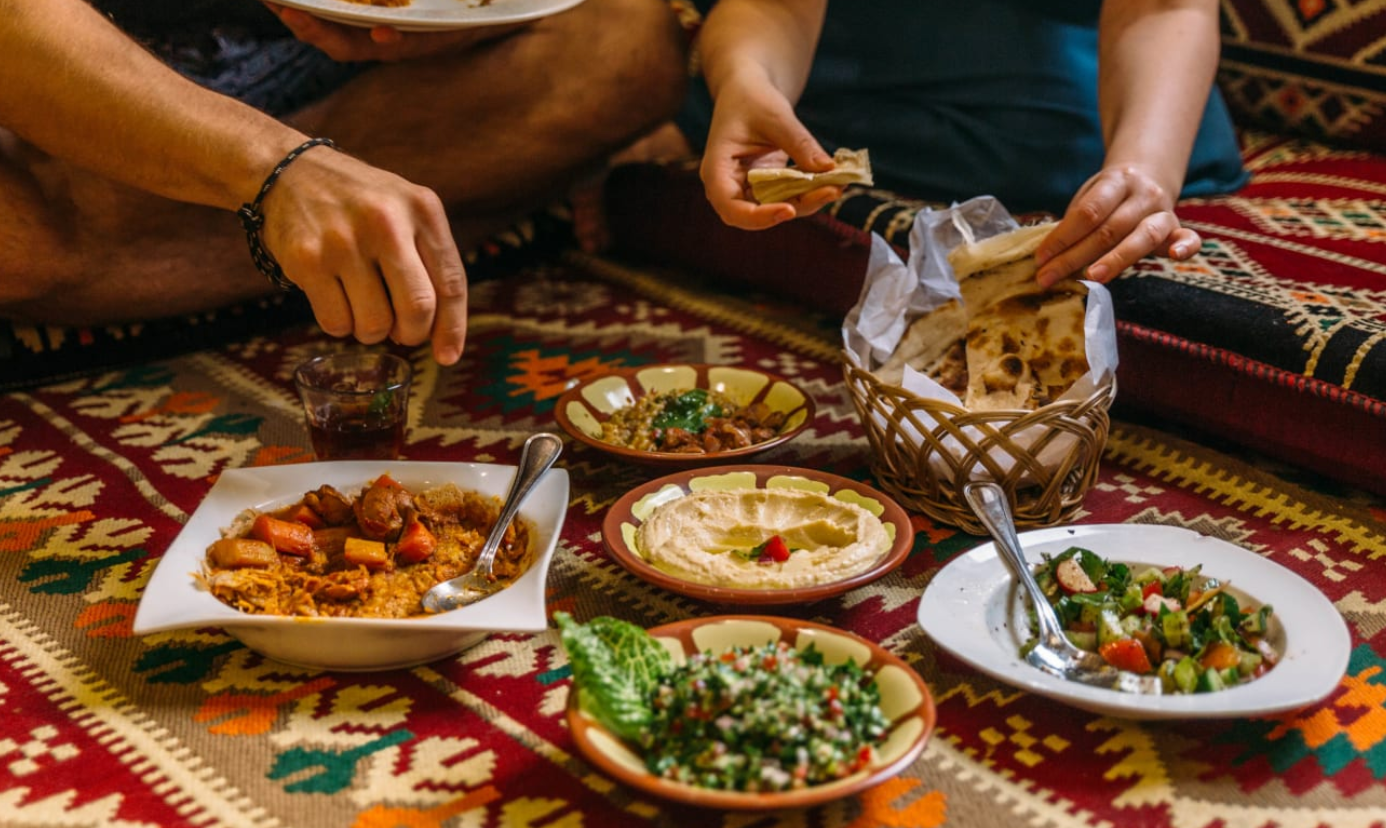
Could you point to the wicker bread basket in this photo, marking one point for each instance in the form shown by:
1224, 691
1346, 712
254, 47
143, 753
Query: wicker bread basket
925, 451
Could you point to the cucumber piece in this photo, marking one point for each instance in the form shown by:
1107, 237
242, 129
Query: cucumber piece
1175, 626
1186, 674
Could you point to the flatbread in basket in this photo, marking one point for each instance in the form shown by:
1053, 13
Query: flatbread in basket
978, 333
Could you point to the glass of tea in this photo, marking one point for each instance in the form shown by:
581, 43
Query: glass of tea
355, 403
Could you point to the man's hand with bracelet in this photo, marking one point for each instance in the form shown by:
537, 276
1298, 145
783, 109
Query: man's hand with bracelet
373, 252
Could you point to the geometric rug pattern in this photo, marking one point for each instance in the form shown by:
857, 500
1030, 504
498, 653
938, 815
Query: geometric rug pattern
188, 727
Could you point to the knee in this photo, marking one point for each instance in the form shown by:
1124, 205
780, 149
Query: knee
642, 52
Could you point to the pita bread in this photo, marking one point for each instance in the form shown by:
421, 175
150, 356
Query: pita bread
1010, 344
927, 342
995, 269
770, 185
1025, 351
1025, 343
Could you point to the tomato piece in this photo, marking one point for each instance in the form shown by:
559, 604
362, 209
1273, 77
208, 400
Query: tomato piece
415, 543
862, 759
776, 549
284, 535
1152, 588
1220, 655
1126, 654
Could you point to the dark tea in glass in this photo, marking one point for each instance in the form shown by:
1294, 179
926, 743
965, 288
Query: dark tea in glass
356, 404
357, 438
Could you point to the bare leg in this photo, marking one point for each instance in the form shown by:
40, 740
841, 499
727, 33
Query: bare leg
78, 249
496, 131
514, 123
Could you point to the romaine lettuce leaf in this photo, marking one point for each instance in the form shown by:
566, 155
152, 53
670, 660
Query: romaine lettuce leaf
616, 666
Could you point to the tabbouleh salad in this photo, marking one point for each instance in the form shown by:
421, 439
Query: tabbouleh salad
766, 718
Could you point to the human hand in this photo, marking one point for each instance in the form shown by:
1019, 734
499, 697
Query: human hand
380, 43
1118, 217
754, 125
373, 253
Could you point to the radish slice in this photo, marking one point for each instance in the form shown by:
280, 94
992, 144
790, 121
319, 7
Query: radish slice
1072, 577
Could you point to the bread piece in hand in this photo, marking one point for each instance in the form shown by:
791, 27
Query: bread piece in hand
770, 185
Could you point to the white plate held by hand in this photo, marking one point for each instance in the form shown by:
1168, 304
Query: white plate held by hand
974, 610
432, 15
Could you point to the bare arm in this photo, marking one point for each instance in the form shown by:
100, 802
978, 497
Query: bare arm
756, 59
74, 85
373, 252
1157, 59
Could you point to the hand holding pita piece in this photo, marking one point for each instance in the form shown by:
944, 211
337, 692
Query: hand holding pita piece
771, 185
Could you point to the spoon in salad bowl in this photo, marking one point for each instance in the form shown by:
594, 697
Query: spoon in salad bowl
1053, 652
537, 457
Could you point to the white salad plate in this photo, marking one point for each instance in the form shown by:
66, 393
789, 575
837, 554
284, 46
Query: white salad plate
173, 598
432, 15
976, 611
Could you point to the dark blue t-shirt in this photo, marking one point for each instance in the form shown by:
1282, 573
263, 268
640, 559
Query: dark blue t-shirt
985, 97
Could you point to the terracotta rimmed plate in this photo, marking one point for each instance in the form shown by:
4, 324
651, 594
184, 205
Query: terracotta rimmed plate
583, 408
625, 515
905, 700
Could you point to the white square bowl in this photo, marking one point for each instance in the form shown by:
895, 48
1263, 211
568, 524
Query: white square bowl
173, 598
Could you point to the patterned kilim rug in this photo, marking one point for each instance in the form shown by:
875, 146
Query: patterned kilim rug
100, 728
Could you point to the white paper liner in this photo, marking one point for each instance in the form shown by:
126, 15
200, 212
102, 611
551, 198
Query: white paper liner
875, 325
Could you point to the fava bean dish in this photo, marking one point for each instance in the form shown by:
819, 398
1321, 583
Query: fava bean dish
371, 555
754, 719
1174, 622
694, 421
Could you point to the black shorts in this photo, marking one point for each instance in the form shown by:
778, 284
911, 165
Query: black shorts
236, 47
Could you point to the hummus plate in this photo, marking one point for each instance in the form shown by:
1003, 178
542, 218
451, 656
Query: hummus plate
813, 575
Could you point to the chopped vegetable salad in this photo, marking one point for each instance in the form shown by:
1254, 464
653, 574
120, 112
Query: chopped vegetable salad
1173, 622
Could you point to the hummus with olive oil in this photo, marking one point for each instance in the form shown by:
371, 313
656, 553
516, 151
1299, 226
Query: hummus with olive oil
707, 536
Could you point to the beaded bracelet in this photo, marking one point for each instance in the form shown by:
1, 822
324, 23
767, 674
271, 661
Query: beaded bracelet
252, 220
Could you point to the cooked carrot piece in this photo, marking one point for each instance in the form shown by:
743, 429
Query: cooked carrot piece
285, 536
234, 553
415, 542
368, 553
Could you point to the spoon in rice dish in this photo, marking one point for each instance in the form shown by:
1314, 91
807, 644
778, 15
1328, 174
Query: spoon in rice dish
1053, 652
537, 457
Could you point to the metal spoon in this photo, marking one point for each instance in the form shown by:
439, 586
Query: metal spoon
1054, 653
538, 455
